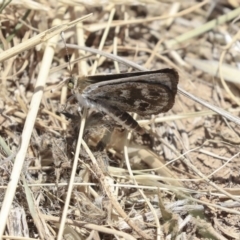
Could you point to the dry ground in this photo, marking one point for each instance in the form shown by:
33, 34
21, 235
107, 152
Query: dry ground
180, 181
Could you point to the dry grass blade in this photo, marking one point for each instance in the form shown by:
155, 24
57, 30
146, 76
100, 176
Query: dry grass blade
99, 26
40, 38
104, 183
113, 183
27, 131
203, 28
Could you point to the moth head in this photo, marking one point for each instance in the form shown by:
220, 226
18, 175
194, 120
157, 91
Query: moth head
72, 83
77, 84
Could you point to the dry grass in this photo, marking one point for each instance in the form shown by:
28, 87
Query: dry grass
182, 182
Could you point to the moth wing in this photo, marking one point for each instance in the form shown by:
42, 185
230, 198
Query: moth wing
143, 98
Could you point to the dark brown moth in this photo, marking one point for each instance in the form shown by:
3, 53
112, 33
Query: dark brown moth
144, 93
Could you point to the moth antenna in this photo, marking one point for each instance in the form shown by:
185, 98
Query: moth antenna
68, 57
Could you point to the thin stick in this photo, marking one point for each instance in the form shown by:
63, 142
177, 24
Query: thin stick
72, 178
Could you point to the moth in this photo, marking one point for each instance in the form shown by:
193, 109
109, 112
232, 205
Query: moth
144, 93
